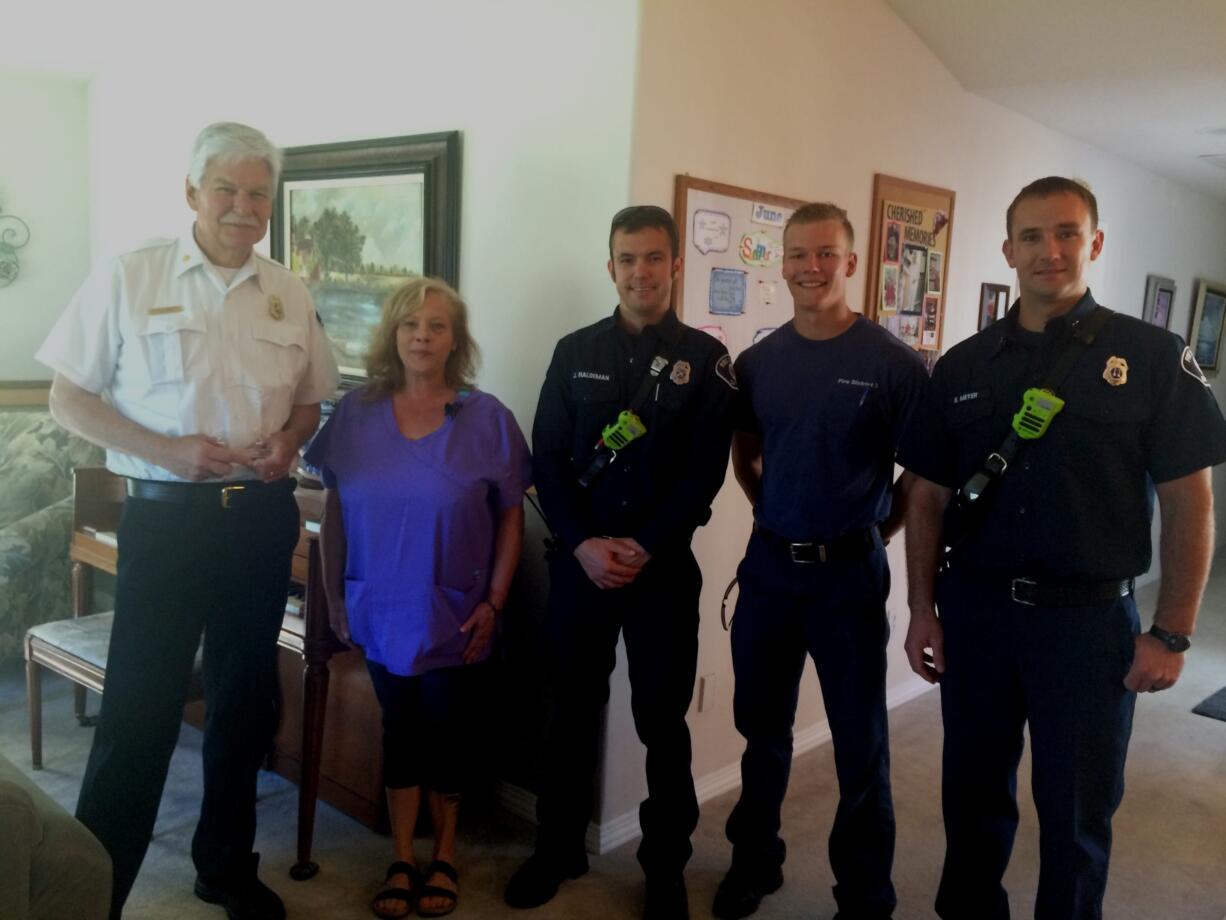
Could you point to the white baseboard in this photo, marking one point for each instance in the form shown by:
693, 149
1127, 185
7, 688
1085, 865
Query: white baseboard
608, 835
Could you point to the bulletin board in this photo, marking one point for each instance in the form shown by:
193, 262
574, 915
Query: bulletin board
908, 261
732, 242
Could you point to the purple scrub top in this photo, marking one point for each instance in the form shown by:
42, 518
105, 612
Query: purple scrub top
420, 518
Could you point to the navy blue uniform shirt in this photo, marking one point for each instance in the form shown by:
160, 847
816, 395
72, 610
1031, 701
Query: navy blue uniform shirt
1076, 503
660, 487
830, 413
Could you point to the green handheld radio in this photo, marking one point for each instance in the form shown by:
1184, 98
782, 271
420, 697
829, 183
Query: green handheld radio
1039, 407
627, 428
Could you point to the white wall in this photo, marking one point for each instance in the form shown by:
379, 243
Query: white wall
43, 176
808, 98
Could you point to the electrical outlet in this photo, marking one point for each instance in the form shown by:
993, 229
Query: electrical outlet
706, 692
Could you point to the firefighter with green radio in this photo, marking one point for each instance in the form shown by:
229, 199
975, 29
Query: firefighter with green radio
630, 446
1039, 450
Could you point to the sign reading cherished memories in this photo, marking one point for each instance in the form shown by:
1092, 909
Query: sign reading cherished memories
909, 259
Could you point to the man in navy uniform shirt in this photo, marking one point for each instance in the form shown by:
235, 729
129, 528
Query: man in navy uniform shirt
623, 522
1037, 622
822, 403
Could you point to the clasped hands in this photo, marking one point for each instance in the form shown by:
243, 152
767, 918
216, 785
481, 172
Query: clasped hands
611, 562
199, 456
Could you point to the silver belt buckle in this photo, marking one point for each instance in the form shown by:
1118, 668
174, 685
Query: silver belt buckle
821, 553
227, 492
1013, 591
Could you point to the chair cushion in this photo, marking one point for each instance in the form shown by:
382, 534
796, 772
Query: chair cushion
87, 638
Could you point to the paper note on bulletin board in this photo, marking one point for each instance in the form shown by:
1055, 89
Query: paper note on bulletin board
732, 243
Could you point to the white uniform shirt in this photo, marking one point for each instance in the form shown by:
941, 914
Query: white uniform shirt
158, 334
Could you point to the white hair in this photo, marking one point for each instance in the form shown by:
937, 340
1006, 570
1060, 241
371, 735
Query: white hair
229, 140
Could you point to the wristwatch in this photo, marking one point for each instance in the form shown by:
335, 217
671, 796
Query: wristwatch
1174, 642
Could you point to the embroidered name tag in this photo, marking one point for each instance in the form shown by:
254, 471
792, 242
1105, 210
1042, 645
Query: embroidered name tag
853, 382
591, 375
966, 397
161, 311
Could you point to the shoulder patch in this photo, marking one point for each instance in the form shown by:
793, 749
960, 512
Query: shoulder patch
724, 371
1187, 363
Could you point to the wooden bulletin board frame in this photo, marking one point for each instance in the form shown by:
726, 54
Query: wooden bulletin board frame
916, 195
681, 214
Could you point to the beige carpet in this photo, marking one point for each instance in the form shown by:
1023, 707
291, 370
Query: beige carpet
1169, 861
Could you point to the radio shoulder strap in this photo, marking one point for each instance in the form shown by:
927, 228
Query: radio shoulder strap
1051, 375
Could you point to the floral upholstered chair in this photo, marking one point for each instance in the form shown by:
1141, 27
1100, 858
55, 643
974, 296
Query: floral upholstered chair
37, 458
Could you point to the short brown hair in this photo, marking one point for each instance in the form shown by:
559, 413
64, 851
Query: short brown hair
383, 365
818, 211
644, 217
1054, 185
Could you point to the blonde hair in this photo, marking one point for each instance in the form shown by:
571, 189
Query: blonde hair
383, 366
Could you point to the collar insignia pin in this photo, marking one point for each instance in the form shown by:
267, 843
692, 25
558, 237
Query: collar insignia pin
681, 373
1116, 371
275, 308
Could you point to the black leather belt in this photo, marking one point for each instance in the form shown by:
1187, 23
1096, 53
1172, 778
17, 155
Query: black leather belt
855, 545
234, 494
1033, 593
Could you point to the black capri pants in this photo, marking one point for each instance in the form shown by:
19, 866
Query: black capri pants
431, 723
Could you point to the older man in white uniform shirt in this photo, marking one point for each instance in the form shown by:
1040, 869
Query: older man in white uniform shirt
199, 365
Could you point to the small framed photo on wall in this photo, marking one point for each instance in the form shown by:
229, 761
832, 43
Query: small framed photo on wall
993, 303
1205, 333
1159, 296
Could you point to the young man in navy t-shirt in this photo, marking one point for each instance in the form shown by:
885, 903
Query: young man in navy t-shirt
822, 403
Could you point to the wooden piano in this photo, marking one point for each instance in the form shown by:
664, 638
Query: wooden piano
339, 761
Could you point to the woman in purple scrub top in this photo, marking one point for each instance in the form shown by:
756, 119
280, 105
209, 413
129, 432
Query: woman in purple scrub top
422, 531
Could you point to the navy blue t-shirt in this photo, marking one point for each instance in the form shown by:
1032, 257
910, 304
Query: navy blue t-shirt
830, 414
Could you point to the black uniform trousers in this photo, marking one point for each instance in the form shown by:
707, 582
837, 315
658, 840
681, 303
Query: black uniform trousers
183, 569
657, 614
1061, 670
835, 612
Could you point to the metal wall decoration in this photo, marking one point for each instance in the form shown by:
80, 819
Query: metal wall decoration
14, 233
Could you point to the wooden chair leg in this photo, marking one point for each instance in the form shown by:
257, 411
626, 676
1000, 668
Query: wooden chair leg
34, 699
78, 704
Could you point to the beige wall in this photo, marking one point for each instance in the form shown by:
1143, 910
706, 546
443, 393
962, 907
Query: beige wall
808, 98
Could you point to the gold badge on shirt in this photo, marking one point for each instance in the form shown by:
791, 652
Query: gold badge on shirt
275, 308
1116, 371
681, 373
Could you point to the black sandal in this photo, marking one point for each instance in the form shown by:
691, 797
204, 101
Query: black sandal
408, 895
433, 891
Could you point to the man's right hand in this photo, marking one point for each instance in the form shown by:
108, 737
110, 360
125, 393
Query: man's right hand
924, 635
599, 558
198, 456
